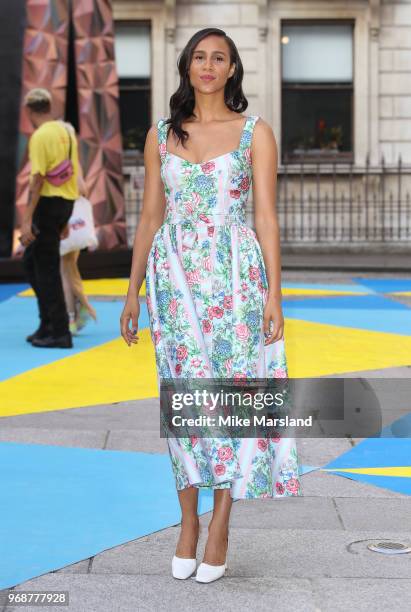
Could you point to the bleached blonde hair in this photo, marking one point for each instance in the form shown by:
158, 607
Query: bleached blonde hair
38, 100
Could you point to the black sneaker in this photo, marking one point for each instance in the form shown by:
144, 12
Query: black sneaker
54, 342
41, 332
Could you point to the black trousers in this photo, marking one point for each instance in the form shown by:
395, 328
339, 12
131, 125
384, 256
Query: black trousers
42, 262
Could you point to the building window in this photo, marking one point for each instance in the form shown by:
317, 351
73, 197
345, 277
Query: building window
133, 62
317, 91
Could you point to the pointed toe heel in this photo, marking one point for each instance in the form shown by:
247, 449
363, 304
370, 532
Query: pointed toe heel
183, 568
209, 573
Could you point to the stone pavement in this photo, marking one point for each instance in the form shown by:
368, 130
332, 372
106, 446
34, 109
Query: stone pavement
306, 554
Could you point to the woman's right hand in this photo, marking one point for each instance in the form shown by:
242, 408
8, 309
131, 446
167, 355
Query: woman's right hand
131, 312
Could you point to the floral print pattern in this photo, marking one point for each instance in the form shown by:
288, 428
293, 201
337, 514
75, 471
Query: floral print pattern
206, 287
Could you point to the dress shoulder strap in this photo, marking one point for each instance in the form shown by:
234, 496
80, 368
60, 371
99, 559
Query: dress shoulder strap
247, 136
162, 137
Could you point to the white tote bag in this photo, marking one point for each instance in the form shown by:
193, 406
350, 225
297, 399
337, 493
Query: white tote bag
82, 233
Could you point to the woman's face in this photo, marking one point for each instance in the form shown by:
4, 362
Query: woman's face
211, 58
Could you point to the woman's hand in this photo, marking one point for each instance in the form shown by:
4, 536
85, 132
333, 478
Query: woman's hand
273, 316
131, 312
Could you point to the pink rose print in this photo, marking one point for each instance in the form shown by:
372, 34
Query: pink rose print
154, 267
196, 198
239, 376
225, 453
262, 445
148, 301
228, 365
163, 150
247, 154
201, 373
189, 208
195, 362
280, 373
242, 330
244, 298
219, 469
182, 352
193, 440
260, 286
228, 302
276, 437
235, 193
244, 286
204, 218
207, 265
245, 183
210, 311
293, 485
210, 230
156, 253
178, 369
166, 265
218, 312
193, 276
173, 307
253, 273
208, 167
279, 488
206, 325
157, 337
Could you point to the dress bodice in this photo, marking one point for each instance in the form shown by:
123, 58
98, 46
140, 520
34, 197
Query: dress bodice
213, 191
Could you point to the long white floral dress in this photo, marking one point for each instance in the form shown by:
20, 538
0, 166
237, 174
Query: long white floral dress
206, 288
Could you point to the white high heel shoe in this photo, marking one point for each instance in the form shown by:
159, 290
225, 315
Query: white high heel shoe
183, 568
209, 573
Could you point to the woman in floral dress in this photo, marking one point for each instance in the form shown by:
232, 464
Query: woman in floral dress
213, 289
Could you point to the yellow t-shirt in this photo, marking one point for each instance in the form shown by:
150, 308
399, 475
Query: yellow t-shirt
48, 147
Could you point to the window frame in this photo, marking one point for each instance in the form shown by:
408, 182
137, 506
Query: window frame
340, 157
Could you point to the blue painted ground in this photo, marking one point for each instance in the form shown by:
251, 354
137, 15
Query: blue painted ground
61, 505
18, 318
372, 312
385, 285
10, 289
391, 449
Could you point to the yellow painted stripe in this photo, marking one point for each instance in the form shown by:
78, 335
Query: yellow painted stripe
119, 286
318, 349
402, 472
302, 291
102, 286
112, 372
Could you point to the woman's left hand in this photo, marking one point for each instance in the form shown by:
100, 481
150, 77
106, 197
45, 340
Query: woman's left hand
273, 316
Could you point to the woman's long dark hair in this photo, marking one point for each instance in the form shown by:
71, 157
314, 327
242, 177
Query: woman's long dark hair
182, 100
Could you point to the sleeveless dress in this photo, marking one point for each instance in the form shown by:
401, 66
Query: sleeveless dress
206, 287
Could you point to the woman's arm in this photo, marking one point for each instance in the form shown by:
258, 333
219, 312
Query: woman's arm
152, 216
264, 161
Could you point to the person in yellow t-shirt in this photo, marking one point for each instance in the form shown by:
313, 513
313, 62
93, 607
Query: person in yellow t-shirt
48, 147
47, 213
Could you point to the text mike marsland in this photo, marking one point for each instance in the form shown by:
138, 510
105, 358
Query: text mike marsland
236, 421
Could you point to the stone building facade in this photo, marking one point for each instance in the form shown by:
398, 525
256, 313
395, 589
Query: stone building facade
337, 186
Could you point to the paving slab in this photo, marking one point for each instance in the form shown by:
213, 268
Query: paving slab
125, 593
362, 594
